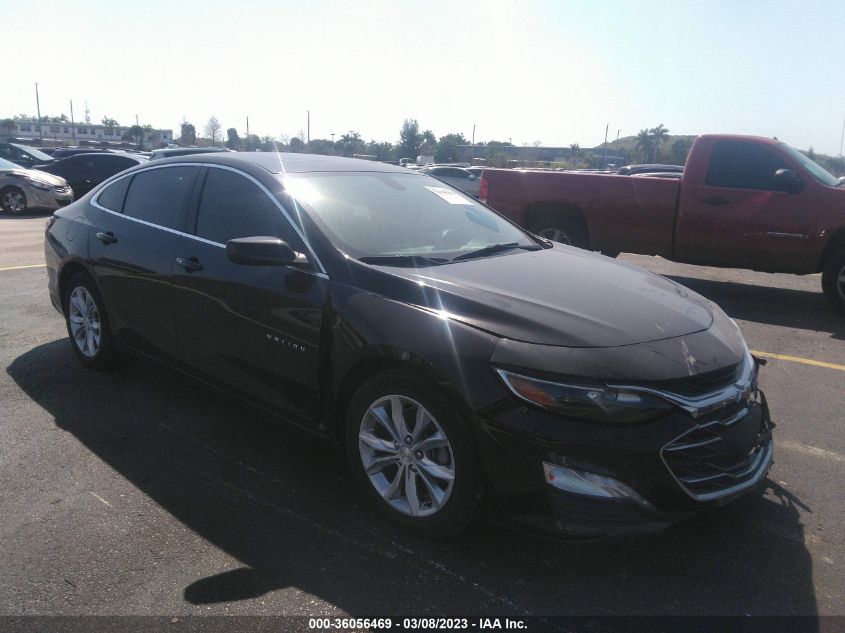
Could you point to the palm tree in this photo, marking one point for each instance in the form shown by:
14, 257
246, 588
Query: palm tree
658, 134
645, 142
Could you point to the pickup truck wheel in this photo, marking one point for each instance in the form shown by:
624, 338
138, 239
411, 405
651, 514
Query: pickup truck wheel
562, 230
833, 279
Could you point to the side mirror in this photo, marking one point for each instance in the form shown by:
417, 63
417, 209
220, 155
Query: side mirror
788, 181
260, 251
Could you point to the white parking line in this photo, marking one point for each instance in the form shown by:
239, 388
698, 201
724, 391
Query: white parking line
811, 450
23, 267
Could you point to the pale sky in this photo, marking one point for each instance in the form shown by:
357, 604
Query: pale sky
555, 72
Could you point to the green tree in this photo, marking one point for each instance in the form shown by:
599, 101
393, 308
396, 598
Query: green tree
448, 148
658, 134
136, 134
351, 143
679, 150
297, 145
381, 150
212, 129
109, 122
322, 146
645, 143
409, 139
188, 135
233, 141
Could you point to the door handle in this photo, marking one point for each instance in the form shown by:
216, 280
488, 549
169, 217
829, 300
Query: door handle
106, 237
189, 263
715, 200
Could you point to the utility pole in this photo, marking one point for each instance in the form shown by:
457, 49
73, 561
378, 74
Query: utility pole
606, 130
308, 136
247, 126
38, 107
72, 122
136, 119
617, 134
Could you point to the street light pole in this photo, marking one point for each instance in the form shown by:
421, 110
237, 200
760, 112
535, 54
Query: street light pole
38, 107
606, 130
72, 123
308, 126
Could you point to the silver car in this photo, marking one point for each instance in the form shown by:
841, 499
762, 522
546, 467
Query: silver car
28, 189
458, 177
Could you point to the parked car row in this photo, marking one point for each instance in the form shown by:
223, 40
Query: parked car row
80, 168
23, 190
466, 365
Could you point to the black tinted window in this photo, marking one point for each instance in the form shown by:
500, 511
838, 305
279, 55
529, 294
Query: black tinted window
743, 166
112, 196
232, 206
158, 195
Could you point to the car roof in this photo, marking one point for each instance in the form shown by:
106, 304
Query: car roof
284, 163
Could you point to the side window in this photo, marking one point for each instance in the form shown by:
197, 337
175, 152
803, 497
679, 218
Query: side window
158, 195
742, 165
232, 206
112, 196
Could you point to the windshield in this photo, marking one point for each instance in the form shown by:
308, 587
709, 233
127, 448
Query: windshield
7, 164
33, 152
385, 215
818, 172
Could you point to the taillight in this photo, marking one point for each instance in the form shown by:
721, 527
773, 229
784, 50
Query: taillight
50, 222
483, 189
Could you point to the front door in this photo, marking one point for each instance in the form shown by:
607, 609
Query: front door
255, 329
739, 217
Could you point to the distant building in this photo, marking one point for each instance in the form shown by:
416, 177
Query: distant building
65, 133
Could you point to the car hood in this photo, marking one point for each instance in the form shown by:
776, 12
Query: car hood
560, 296
37, 174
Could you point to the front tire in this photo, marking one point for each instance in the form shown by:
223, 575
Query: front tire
833, 279
13, 200
412, 456
562, 230
88, 325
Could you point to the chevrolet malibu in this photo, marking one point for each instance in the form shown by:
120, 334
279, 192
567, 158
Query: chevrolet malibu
468, 367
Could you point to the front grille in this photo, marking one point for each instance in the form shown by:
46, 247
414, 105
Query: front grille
721, 456
63, 203
698, 385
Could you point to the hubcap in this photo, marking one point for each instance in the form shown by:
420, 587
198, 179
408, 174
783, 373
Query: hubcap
14, 201
406, 455
556, 235
84, 322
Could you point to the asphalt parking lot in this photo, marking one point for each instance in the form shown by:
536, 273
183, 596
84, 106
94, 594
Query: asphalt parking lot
143, 492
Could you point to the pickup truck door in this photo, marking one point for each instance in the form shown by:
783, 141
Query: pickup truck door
739, 218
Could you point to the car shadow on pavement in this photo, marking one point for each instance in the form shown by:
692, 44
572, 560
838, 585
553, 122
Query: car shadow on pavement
785, 307
282, 503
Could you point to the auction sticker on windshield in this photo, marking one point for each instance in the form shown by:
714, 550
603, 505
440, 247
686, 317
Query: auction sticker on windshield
452, 197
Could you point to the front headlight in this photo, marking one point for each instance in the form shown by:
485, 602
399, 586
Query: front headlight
596, 402
39, 184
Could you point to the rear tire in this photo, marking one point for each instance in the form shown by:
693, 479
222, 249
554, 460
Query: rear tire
833, 279
88, 325
562, 230
426, 481
13, 200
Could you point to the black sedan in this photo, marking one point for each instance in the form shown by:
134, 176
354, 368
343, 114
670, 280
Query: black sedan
83, 172
465, 365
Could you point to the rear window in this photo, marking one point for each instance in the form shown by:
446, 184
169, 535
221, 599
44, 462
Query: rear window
112, 196
158, 195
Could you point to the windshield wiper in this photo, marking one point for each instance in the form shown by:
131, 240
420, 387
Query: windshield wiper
495, 248
402, 260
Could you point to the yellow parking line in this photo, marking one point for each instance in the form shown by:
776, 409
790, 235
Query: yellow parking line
22, 267
798, 359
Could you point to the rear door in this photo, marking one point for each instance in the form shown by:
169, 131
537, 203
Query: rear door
255, 329
131, 247
739, 218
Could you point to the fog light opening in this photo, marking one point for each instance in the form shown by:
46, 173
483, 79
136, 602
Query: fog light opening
589, 484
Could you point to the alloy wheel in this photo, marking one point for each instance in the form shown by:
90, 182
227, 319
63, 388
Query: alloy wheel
406, 455
14, 201
84, 320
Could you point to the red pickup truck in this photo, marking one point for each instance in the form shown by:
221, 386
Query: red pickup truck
742, 202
